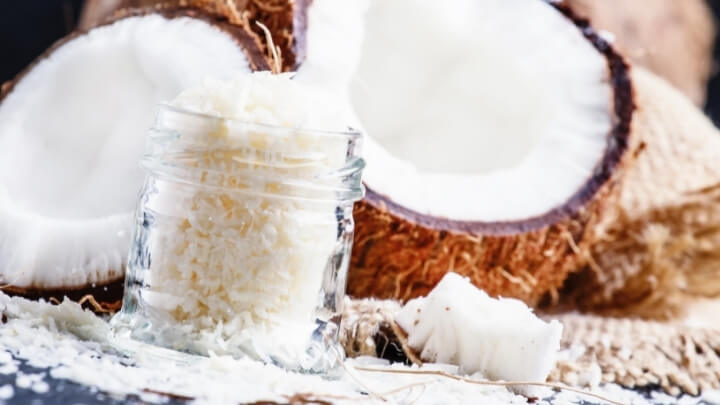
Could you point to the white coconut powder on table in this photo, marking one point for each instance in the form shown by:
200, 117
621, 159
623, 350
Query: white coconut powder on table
54, 337
71, 343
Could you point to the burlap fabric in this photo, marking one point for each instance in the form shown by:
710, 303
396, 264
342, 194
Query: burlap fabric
629, 352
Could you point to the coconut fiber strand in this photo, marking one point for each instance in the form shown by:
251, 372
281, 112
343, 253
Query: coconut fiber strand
277, 15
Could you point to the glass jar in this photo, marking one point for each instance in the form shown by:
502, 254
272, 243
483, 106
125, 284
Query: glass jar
242, 240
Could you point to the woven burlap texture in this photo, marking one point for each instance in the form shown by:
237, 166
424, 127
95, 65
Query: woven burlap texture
361, 323
630, 352
637, 353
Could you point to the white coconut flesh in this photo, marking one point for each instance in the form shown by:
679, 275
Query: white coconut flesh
457, 323
479, 110
71, 137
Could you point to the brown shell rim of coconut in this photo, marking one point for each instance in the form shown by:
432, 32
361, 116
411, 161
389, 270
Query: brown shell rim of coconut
99, 297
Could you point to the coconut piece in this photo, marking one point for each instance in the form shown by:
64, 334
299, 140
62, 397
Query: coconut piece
674, 39
662, 244
460, 324
72, 129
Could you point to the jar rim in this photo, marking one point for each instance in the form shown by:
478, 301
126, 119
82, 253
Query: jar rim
177, 146
348, 133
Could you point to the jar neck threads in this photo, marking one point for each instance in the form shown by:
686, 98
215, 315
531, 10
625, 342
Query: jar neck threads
207, 151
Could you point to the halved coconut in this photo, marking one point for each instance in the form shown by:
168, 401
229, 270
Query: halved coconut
495, 132
499, 141
72, 129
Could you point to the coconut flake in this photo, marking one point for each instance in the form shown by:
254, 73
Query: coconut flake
6, 392
269, 99
460, 324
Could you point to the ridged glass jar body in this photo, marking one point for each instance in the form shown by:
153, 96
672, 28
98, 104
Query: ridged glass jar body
242, 240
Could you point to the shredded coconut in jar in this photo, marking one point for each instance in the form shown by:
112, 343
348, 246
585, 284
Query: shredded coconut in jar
242, 244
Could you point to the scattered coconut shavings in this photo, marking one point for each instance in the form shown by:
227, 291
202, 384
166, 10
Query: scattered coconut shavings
67, 316
6, 392
41, 334
7, 369
34, 334
71, 343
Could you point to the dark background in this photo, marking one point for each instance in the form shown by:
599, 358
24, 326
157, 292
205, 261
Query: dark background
28, 27
713, 99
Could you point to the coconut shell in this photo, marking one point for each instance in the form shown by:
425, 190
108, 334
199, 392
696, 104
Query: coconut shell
662, 244
107, 296
284, 19
672, 38
400, 255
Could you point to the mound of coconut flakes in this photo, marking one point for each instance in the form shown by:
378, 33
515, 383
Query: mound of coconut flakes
71, 344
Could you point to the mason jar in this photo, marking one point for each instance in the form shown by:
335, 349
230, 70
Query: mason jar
242, 240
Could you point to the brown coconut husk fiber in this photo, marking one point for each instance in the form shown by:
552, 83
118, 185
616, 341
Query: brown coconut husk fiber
673, 39
629, 352
662, 246
277, 15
